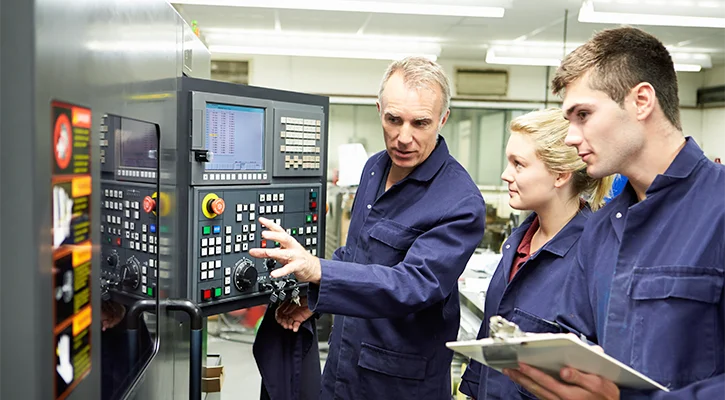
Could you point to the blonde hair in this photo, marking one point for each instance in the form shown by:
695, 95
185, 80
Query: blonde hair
547, 129
420, 72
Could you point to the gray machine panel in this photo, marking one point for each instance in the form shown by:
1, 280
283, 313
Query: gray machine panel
221, 269
299, 140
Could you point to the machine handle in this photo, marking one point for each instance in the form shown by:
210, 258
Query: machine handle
197, 323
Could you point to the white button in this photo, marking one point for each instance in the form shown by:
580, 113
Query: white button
251, 237
228, 229
308, 241
227, 280
128, 204
211, 274
227, 271
218, 263
309, 230
240, 207
136, 215
239, 237
239, 217
143, 288
125, 224
269, 197
314, 240
245, 238
245, 247
252, 207
204, 242
128, 214
227, 290
253, 228
619, 215
261, 198
245, 208
203, 275
314, 252
133, 227
143, 279
210, 251
218, 241
237, 248
278, 221
261, 210
228, 248
143, 247
219, 250
203, 266
143, 228
314, 229
275, 197
281, 197
369, 206
203, 252
251, 216
281, 208
228, 239
143, 270
152, 262
143, 237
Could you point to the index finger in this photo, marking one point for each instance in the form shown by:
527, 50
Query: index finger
279, 255
270, 225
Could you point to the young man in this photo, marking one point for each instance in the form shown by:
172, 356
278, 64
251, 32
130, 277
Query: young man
648, 287
416, 220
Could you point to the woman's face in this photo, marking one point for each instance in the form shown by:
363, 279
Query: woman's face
530, 184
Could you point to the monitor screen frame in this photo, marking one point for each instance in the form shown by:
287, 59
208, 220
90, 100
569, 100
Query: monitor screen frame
263, 138
135, 174
199, 174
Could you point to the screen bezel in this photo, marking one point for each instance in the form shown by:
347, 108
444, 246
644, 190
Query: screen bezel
199, 174
135, 174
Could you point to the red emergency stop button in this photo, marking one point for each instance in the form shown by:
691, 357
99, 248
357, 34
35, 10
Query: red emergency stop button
313, 205
149, 204
206, 294
216, 206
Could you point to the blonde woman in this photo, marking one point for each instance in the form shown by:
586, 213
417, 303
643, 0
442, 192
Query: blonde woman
548, 177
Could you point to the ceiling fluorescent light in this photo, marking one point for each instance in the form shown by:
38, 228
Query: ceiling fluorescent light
312, 52
587, 13
547, 56
377, 7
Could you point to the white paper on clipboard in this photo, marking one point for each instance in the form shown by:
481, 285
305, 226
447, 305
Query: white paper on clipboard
550, 352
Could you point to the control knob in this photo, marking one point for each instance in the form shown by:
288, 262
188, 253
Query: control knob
130, 273
245, 275
270, 264
112, 260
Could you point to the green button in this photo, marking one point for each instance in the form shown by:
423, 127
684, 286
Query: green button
207, 230
309, 218
313, 195
164, 229
294, 231
109, 240
276, 244
217, 292
150, 291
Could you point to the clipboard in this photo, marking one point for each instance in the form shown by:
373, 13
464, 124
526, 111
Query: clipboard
549, 352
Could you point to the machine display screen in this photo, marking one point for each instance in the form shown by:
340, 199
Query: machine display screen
138, 145
235, 136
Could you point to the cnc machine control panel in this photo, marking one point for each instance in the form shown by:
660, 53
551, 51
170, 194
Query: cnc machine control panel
129, 230
252, 158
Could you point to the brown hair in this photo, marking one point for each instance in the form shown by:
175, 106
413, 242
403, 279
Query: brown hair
547, 129
620, 59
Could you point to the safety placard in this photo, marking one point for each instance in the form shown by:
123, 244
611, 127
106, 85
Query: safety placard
71, 189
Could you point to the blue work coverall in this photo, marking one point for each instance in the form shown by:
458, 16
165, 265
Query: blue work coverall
530, 300
648, 284
393, 287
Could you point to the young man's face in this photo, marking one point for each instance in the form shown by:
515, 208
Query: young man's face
607, 136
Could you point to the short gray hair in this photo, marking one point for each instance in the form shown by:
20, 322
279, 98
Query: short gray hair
420, 72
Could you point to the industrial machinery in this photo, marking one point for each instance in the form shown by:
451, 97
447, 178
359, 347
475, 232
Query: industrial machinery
250, 153
183, 161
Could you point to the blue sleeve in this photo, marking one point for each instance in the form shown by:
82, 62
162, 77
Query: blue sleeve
577, 315
470, 379
427, 275
712, 388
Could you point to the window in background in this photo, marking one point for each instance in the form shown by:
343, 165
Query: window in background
230, 71
476, 137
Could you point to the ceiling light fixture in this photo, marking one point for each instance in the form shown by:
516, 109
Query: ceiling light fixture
376, 7
614, 13
320, 45
543, 55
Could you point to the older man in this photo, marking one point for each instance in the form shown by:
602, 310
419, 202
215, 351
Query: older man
416, 220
